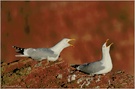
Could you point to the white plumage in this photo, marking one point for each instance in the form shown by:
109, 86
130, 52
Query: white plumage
51, 54
99, 67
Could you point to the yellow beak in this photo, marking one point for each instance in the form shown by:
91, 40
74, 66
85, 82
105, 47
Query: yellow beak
107, 41
70, 41
110, 44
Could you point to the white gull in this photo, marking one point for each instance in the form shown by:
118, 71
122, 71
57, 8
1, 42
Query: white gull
39, 54
102, 66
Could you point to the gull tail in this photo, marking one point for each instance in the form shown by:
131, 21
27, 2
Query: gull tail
74, 65
19, 50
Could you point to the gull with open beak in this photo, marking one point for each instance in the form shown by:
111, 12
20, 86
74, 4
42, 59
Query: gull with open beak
39, 54
102, 66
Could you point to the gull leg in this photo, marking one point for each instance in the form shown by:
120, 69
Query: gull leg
92, 74
47, 62
38, 64
60, 59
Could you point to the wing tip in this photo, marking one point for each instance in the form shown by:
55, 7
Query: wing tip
74, 65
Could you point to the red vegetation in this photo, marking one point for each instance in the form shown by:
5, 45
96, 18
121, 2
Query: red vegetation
58, 75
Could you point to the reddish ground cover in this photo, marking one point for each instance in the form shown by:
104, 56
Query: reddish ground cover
31, 74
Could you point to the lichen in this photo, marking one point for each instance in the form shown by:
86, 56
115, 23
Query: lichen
59, 75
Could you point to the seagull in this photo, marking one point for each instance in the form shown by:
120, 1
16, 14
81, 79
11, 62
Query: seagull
39, 54
102, 66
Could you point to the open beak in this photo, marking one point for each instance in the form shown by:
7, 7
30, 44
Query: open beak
70, 41
110, 44
106, 43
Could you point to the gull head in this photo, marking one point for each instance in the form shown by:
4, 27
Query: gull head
66, 42
106, 48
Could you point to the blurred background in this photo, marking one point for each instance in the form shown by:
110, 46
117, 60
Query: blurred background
43, 24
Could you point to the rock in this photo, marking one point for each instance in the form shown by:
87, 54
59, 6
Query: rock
27, 73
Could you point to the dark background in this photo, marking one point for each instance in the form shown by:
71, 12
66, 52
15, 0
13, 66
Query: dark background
43, 24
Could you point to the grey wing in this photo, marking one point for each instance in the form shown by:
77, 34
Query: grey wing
40, 53
91, 67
